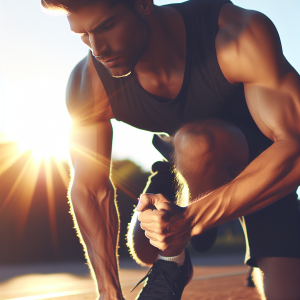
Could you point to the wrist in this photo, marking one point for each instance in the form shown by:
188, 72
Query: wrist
111, 295
191, 220
107, 279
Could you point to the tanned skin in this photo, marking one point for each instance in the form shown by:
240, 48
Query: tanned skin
249, 52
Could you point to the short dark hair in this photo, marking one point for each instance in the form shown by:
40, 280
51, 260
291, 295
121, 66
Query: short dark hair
74, 5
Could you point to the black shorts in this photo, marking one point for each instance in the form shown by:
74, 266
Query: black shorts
273, 231
270, 232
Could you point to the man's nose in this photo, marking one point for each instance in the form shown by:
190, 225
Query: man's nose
98, 46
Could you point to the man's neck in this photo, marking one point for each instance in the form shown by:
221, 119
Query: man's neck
163, 61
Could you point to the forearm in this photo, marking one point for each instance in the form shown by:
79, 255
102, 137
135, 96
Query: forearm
268, 178
96, 217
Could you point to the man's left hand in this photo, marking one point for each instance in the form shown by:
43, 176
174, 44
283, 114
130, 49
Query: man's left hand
164, 222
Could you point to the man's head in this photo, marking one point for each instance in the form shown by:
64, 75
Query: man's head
71, 6
116, 31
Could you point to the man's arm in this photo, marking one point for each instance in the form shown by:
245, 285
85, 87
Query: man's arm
249, 52
91, 192
93, 204
272, 90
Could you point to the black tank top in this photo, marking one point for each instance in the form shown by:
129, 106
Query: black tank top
205, 92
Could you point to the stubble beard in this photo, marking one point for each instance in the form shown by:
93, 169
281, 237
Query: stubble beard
132, 55
124, 69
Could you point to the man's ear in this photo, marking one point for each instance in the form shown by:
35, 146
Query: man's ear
144, 7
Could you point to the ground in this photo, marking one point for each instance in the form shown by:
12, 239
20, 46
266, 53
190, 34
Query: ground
215, 278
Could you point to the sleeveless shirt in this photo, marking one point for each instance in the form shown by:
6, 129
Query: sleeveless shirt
205, 92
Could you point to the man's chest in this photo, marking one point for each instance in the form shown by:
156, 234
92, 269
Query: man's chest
165, 85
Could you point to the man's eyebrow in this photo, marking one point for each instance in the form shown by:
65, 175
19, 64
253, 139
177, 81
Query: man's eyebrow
102, 24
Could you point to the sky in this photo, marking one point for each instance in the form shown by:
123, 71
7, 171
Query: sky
37, 54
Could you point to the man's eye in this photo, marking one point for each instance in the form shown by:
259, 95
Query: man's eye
107, 27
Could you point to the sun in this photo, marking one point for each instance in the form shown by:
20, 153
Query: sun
45, 143
46, 136
45, 139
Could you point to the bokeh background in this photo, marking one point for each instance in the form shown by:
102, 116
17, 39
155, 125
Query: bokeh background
37, 54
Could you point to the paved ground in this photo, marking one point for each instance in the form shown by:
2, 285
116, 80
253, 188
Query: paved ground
215, 278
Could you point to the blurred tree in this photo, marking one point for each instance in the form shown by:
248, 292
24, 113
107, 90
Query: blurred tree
130, 181
35, 223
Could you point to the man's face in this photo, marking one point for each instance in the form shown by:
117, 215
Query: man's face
116, 35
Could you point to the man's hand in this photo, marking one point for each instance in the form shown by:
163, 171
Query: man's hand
164, 222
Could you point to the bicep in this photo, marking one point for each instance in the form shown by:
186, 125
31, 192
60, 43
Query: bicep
276, 109
90, 150
272, 86
254, 57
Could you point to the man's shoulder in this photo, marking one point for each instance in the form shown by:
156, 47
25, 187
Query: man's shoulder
86, 98
79, 70
236, 22
79, 81
243, 37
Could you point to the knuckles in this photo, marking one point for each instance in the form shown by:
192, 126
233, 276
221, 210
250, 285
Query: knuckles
157, 218
163, 247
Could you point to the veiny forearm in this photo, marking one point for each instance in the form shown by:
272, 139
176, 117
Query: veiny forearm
272, 175
97, 221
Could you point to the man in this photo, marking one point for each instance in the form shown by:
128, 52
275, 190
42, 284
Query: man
213, 76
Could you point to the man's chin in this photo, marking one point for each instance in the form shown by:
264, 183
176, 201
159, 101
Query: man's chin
120, 75
119, 72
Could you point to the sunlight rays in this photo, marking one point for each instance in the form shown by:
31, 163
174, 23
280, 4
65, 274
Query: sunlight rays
62, 172
16, 184
24, 187
35, 177
27, 192
126, 191
91, 155
7, 159
51, 205
128, 187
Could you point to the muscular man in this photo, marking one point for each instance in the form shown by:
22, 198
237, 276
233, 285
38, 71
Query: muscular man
211, 75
